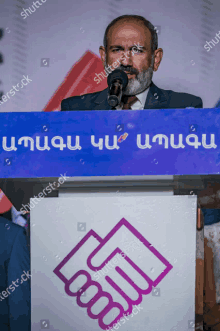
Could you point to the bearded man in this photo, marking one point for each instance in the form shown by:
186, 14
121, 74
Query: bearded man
131, 45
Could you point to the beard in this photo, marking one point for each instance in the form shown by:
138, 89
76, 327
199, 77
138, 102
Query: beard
142, 80
140, 83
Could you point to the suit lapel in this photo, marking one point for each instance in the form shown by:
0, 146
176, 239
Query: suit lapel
156, 98
100, 102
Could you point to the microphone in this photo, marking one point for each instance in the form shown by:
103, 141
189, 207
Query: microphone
117, 82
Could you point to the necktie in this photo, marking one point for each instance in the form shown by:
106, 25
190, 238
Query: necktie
128, 101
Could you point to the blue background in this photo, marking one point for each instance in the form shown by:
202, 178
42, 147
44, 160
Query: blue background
128, 160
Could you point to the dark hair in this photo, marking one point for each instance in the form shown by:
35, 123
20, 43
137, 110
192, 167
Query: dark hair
154, 38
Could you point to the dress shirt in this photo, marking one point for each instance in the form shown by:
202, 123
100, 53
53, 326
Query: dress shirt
139, 104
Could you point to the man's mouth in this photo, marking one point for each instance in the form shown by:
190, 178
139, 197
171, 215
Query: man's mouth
129, 74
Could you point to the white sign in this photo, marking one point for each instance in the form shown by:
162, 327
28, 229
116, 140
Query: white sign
101, 263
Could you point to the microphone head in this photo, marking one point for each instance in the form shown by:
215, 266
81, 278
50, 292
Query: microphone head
118, 75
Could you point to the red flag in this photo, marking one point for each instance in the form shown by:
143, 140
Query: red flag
79, 80
5, 204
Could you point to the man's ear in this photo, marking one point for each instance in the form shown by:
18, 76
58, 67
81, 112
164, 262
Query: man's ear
102, 54
158, 55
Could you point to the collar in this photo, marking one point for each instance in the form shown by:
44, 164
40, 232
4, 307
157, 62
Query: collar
142, 97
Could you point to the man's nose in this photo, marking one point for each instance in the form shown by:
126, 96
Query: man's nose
126, 59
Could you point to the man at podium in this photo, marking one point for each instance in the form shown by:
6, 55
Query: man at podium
131, 45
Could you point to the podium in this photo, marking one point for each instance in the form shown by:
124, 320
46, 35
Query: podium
115, 159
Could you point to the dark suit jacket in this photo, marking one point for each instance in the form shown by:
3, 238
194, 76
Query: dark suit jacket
218, 104
14, 260
156, 99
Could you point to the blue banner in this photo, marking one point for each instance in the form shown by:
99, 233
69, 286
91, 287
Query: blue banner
110, 143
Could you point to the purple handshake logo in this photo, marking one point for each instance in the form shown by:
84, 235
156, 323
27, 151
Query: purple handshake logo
90, 251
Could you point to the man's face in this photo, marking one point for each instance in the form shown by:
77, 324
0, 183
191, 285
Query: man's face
129, 49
